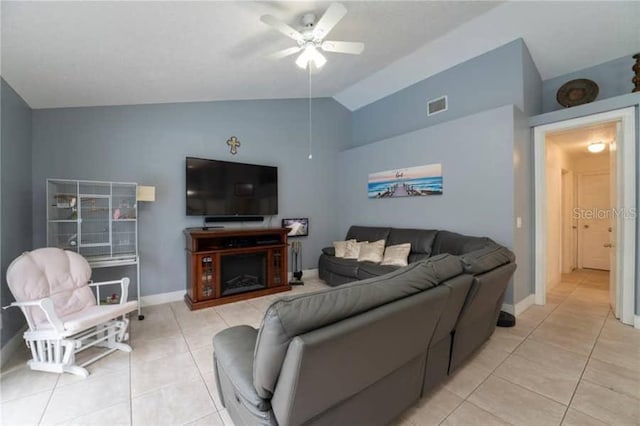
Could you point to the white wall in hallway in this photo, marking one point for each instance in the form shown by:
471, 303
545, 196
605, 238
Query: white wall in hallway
556, 161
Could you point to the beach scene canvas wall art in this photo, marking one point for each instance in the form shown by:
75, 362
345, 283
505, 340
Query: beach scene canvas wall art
408, 182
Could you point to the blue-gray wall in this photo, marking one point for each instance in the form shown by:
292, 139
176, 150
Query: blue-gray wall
148, 144
503, 76
531, 85
476, 153
15, 191
523, 199
613, 79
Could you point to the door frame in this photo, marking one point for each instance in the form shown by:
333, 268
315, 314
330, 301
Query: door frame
626, 196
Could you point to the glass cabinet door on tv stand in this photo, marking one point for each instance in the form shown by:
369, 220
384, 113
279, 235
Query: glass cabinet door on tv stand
95, 219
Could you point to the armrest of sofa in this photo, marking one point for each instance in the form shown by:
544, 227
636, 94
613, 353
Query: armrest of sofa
486, 259
329, 251
234, 348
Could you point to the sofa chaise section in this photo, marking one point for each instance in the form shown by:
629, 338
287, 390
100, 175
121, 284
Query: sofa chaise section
354, 354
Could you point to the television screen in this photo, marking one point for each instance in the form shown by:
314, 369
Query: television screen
297, 227
224, 188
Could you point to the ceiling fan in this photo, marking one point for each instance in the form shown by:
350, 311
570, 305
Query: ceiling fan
310, 38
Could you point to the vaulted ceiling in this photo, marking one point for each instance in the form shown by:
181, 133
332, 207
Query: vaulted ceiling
65, 54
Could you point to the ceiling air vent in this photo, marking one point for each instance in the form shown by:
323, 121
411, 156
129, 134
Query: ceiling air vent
436, 106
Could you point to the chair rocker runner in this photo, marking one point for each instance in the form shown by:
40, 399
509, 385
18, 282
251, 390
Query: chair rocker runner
52, 288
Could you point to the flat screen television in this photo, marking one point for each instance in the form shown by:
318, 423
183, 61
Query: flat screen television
224, 188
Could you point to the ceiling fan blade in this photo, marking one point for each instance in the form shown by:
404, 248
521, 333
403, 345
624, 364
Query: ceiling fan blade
285, 52
282, 27
331, 17
350, 47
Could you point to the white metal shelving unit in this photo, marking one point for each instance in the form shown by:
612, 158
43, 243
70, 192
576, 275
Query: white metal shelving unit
96, 219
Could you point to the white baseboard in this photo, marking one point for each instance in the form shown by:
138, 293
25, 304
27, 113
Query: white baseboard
521, 306
175, 296
12, 346
636, 321
159, 299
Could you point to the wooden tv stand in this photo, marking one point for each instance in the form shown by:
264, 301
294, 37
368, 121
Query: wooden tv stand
228, 265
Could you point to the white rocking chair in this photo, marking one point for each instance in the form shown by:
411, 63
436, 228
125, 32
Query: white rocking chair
51, 287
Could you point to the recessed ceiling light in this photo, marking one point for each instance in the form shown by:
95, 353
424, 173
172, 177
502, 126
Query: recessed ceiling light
596, 147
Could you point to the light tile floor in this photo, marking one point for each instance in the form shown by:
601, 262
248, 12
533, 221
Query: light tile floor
567, 362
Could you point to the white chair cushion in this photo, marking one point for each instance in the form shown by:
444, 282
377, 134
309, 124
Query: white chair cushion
94, 315
51, 272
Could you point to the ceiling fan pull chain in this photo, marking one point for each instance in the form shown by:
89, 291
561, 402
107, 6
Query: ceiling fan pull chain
309, 147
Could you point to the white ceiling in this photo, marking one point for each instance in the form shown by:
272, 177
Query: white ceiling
562, 37
62, 54
575, 141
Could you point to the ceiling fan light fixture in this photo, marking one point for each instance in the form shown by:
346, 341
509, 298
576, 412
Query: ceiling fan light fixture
318, 59
303, 59
596, 147
311, 54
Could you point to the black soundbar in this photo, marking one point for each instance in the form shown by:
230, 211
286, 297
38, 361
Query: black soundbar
213, 219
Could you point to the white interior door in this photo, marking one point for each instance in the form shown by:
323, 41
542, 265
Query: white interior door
594, 223
613, 189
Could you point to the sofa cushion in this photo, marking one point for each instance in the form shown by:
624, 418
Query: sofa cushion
486, 259
417, 257
329, 251
368, 270
397, 255
234, 348
458, 244
371, 252
294, 315
421, 239
368, 233
340, 266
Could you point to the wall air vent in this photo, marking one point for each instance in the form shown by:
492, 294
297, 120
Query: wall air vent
437, 105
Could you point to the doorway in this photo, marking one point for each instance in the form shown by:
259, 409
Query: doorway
584, 202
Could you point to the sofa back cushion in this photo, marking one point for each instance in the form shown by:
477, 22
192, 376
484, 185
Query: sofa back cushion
458, 244
486, 259
368, 233
295, 315
421, 241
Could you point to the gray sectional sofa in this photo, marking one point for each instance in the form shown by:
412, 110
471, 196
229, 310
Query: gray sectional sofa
363, 352
424, 244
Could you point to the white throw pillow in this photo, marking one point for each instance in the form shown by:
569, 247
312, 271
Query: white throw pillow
397, 255
353, 249
341, 247
371, 252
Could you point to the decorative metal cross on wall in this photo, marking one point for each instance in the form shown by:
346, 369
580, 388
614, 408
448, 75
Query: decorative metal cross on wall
234, 143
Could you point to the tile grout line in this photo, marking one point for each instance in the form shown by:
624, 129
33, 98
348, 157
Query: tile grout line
494, 369
509, 356
48, 401
604, 323
215, 406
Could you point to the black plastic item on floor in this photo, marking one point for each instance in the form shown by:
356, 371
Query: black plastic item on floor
505, 319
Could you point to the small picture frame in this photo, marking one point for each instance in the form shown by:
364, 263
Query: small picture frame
298, 227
